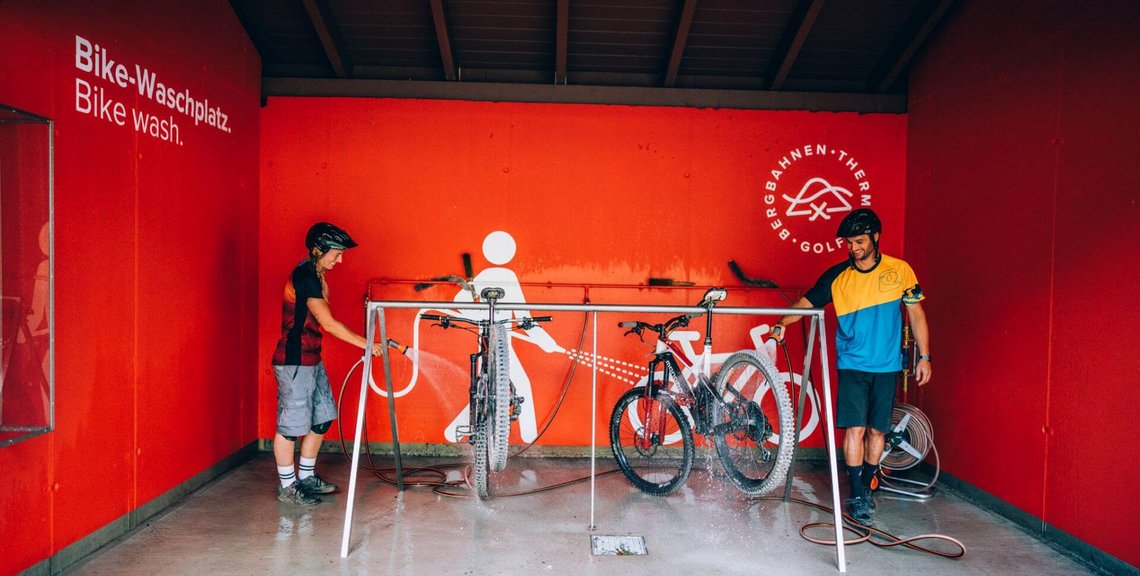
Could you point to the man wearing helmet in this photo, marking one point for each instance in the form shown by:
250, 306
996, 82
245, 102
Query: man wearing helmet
866, 291
305, 406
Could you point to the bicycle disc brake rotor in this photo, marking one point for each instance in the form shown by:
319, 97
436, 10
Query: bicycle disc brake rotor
646, 443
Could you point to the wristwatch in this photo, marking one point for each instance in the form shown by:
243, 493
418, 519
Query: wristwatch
926, 357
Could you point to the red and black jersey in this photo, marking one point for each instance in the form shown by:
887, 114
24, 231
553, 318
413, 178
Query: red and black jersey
300, 342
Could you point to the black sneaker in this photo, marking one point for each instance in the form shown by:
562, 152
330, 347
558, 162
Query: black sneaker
316, 485
858, 508
295, 494
869, 496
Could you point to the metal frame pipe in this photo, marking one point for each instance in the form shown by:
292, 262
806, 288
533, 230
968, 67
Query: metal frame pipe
375, 318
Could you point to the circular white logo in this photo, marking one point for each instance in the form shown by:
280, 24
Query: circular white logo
809, 191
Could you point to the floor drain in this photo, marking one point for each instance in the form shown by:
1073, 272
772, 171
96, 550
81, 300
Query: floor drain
617, 545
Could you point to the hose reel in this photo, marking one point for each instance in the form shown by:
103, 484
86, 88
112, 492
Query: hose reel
909, 441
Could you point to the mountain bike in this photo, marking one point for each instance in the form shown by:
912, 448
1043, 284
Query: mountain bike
651, 433
494, 404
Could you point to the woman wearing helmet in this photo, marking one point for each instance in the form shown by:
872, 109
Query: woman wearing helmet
867, 290
305, 406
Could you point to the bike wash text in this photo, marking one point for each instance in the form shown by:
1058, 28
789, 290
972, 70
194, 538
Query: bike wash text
93, 96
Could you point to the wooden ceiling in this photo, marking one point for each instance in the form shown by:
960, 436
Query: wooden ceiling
808, 54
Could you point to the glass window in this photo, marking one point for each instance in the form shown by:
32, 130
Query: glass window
27, 393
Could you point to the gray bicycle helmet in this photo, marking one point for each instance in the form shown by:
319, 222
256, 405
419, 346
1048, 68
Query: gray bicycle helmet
859, 222
324, 237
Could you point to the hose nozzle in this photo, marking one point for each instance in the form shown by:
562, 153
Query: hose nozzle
402, 349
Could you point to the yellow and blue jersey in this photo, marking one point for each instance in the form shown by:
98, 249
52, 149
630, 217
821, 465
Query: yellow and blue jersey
869, 335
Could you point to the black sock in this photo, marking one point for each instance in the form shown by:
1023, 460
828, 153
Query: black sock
855, 478
869, 471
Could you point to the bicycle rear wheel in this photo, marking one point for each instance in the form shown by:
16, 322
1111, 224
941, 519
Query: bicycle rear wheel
481, 464
639, 426
498, 370
753, 428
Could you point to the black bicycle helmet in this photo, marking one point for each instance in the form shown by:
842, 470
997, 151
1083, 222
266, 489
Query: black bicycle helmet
324, 237
859, 222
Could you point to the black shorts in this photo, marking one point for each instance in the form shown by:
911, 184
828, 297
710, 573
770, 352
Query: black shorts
866, 399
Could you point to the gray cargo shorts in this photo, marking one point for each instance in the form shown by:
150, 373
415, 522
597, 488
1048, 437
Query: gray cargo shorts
304, 399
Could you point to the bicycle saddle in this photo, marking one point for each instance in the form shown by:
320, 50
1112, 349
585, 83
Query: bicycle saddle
492, 293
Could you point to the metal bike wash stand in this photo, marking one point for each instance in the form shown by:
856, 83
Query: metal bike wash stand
375, 322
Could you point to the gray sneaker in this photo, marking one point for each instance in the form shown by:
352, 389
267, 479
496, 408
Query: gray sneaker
860, 510
295, 494
316, 485
869, 496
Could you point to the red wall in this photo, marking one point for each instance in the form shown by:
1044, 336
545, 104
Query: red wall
155, 249
593, 195
1022, 209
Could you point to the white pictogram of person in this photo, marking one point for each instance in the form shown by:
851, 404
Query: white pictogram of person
499, 248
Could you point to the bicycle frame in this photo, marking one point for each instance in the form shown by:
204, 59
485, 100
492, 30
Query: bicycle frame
478, 391
693, 363
479, 394
667, 354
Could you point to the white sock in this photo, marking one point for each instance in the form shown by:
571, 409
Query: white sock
285, 473
307, 467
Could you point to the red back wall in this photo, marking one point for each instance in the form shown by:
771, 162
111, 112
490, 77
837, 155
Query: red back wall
1022, 204
155, 249
592, 195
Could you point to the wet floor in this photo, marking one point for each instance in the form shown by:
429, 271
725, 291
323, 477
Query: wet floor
236, 526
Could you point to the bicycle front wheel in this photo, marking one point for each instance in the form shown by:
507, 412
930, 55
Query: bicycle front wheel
498, 370
639, 428
752, 423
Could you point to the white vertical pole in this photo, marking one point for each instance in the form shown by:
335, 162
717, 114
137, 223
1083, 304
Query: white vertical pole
369, 337
391, 401
825, 371
593, 417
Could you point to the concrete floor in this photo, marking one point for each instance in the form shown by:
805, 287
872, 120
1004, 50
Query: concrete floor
236, 526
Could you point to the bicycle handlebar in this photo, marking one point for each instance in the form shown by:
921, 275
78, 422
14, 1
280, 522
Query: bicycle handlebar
445, 320
635, 327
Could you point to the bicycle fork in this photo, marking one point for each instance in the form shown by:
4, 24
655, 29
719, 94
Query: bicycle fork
468, 431
653, 413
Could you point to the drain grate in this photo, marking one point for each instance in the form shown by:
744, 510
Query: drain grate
617, 545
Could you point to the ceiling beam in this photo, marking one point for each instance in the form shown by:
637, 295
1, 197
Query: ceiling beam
335, 50
440, 18
578, 94
800, 25
248, 21
561, 40
910, 38
684, 23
